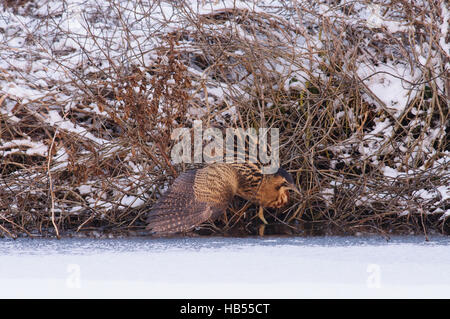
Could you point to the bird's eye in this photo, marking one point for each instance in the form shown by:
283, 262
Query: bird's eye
284, 184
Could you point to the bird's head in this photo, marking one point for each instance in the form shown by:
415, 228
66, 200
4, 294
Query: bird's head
274, 190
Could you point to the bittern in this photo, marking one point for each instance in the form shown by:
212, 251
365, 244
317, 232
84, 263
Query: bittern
204, 194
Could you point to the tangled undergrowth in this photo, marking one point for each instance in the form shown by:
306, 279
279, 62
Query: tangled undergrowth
90, 92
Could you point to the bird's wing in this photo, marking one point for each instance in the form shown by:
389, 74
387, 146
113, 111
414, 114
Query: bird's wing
192, 199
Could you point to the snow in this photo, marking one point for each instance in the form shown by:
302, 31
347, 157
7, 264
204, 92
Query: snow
131, 201
390, 172
444, 28
389, 82
327, 267
425, 194
23, 93
45, 46
444, 191
33, 148
376, 20
85, 189
54, 118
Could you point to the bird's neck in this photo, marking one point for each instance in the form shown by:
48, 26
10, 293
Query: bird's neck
249, 177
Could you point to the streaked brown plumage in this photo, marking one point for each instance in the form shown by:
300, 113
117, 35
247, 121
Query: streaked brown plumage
204, 194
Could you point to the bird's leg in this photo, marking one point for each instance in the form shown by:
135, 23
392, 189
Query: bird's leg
261, 215
261, 229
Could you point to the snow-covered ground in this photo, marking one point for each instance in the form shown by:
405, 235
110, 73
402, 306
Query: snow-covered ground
325, 267
66, 70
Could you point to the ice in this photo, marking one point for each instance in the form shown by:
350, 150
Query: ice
326, 267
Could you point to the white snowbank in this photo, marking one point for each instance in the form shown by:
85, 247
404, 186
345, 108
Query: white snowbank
214, 268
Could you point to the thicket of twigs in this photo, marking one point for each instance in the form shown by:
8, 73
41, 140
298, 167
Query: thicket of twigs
90, 93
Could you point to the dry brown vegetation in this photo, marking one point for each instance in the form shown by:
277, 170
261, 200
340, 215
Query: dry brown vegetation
364, 166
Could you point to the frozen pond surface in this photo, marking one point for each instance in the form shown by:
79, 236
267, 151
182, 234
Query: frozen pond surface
319, 267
